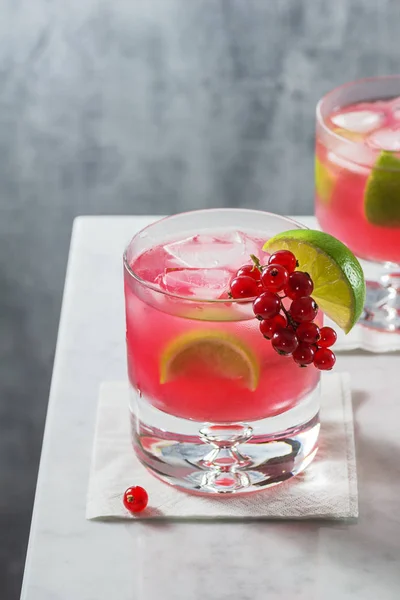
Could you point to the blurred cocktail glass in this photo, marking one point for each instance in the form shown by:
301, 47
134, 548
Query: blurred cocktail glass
358, 184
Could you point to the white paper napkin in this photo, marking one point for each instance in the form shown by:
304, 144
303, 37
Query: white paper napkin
327, 489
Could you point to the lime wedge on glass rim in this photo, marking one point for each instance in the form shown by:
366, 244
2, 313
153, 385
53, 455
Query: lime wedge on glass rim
212, 351
382, 192
339, 285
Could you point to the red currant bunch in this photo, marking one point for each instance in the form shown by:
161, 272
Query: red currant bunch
283, 304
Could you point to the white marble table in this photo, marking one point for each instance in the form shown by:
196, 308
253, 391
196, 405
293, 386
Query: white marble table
70, 558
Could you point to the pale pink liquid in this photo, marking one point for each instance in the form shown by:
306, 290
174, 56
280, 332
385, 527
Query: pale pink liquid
155, 319
349, 165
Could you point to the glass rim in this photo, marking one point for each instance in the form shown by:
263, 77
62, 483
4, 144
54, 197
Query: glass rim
154, 287
322, 122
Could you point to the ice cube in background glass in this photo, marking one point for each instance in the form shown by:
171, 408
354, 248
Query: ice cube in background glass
206, 251
361, 121
344, 161
208, 284
356, 157
394, 108
385, 139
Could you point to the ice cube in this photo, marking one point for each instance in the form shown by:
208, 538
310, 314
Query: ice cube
385, 139
360, 121
354, 157
205, 251
394, 107
207, 284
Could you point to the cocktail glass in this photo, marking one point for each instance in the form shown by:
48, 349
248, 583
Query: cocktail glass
358, 185
214, 409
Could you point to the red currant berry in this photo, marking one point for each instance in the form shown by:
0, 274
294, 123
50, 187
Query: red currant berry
304, 309
270, 326
267, 305
285, 258
308, 332
304, 354
249, 271
328, 337
324, 359
243, 287
299, 285
284, 341
274, 278
135, 499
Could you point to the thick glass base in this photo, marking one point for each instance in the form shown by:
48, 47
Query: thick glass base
382, 304
225, 458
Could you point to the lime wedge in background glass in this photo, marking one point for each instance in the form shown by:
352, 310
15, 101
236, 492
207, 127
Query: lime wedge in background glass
354, 136
339, 286
382, 192
324, 181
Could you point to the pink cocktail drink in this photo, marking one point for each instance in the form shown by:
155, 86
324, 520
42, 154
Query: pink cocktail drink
200, 392
196, 359
358, 183
340, 199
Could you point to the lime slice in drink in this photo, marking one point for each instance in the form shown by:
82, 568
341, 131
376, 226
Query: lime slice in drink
212, 351
354, 136
324, 181
382, 192
339, 286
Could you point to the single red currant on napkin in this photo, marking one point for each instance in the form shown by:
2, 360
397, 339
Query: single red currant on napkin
135, 499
